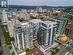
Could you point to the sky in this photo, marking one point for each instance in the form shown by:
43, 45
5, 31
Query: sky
41, 2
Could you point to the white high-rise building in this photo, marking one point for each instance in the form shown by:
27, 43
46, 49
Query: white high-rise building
46, 33
24, 35
35, 24
5, 18
11, 24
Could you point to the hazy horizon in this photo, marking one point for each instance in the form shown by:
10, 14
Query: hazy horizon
41, 3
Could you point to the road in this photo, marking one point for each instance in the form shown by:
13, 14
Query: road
64, 51
5, 48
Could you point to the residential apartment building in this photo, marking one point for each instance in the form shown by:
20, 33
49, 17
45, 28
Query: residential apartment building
35, 24
23, 36
46, 33
4, 20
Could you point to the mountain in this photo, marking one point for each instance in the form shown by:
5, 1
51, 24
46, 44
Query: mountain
32, 7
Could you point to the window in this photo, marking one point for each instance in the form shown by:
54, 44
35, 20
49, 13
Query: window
49, 32
5, 28
20, 39
43, 24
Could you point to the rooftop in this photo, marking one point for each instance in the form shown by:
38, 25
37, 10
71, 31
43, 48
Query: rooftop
24, 23
35, 20
36, 51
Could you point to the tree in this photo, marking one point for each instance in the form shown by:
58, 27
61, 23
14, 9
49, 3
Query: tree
8, 39
55, 51
32, 17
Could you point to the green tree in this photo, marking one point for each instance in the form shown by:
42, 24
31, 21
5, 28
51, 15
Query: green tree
32, 17
55, 51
